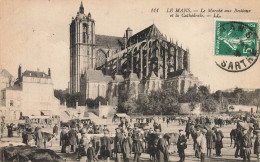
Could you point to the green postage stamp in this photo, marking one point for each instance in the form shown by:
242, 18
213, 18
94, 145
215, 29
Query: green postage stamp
236, 44
236, 38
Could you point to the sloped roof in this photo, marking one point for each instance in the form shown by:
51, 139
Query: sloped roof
6, 74
15, 87
133, 77
35, 74
97, 75
148, 32
109, 41
153, 76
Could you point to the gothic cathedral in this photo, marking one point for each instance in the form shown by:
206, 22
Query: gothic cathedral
103, 65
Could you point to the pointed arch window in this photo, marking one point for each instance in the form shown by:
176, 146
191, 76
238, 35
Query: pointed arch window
85, 29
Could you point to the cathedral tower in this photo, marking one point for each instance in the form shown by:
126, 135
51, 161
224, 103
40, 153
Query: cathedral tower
82, 41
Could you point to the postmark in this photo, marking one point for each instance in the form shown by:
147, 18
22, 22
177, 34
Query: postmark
236, 44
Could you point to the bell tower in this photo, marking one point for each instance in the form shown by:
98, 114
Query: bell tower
82, 41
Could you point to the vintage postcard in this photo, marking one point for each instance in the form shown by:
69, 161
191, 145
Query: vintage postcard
129, 80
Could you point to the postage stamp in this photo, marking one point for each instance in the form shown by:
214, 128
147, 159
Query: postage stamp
238, 39
234, 38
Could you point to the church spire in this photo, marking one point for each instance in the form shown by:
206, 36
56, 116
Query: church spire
81, 8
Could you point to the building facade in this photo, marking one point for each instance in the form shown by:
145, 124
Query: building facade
31, 94
103, 65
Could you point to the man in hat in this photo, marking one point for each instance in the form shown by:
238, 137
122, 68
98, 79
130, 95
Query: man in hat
63, 139
246, 145
105, 149
181, 145
83, 145
138, 147
218, 143
202, 142
72, 135
187, 129
210, 137
118, 144
195, 134
162, 149
238, 141
127, 146
2, 129
91, 153
257, 145
38, 137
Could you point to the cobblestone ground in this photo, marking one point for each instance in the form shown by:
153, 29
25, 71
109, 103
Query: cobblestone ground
227, 151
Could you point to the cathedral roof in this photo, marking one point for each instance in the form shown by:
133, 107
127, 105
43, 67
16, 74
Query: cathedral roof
97, 76
109, 41
6, 74
35, 74
147, 33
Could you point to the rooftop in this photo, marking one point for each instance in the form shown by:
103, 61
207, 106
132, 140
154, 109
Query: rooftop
6, 74
35, 74
109, 41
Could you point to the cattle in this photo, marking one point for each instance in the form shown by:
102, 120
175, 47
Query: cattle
28, 153
47, 137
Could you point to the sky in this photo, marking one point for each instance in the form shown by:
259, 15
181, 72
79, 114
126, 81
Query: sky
35, 34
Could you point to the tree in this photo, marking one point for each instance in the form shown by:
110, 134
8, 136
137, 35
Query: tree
209, 105
126, 100
60, 94
100, 99
192, 106
90, 103
238, 92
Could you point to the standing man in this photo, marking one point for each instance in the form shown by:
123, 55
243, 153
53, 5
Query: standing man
181, 145
202, 142
105, 149
118, 144
246, 145
72, 135
63, 140
127, 146
55, 131
187, 129
138, 148
238, 141
219, 143
210, 137
39, 138
2, 129
162, 149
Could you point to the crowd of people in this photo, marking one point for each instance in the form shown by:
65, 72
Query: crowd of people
92, 142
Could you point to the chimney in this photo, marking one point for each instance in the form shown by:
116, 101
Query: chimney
125, 41
49, 72
128, 33
20, 72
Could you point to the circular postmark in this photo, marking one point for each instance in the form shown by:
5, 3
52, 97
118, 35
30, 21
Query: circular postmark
236, 45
